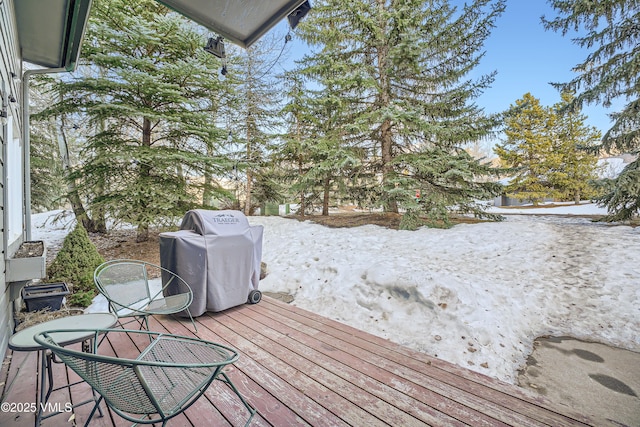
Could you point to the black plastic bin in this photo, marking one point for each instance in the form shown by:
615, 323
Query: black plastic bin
43, 296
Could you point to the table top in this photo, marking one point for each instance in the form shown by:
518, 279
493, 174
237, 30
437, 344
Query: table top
23, 340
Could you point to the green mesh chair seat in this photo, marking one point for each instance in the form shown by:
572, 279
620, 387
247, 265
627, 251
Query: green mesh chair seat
138, 289
163, 381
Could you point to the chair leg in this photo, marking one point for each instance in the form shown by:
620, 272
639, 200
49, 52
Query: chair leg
192, 321
93, 411
251, 409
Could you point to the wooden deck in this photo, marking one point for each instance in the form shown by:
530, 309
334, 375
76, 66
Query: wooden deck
298, 368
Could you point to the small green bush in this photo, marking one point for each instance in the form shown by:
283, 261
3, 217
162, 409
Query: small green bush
410, 221
75, 264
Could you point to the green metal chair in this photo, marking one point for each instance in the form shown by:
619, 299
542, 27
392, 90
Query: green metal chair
132, 293
165, 379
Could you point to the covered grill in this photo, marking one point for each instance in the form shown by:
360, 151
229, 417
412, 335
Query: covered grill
218, 254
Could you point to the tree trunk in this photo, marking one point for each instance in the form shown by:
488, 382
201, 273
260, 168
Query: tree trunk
144, 173
303, 199
207, 193
325, 199
248, 201
142, 233
78, 210
387, 158
99, 221
386, 136
72, 192
99, 218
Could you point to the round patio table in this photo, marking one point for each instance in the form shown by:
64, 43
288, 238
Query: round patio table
23, 341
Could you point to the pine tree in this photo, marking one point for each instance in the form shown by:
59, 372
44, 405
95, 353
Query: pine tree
47, 175
294, 154
323, 161
148, 97
529, 150
575, 142
400, 69
609, 72
57, 135
549, 151
75, 264
257, 119
47, 178
332, 155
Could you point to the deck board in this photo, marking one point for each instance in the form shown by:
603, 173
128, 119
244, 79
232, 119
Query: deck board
19, 377
419, 365
299, 368
382, 401
428, 403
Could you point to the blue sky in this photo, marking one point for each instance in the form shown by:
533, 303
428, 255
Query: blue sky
526, 57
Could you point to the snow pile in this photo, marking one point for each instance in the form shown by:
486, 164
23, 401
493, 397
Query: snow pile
475, 295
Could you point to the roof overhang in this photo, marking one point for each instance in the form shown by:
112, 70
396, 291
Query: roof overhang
239, 21
50, 33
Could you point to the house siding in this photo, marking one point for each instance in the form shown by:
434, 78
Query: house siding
10, 71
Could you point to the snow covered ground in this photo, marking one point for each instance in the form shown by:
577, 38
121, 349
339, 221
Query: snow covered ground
476, 295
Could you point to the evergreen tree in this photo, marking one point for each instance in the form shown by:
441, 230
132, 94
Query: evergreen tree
400, 69
148, 97
529, 150
256, 119
47, 175
294, 155
574, 141
609, 72
621, 193
48, 165
214, 188
75, 263
332, 159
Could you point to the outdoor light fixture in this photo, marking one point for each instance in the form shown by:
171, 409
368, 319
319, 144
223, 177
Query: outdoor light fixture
299, 13
215, 47
3, 106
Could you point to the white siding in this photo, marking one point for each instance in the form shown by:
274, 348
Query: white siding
10, 68
15, 188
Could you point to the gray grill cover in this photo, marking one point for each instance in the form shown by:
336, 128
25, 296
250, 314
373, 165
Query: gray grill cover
218, 254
